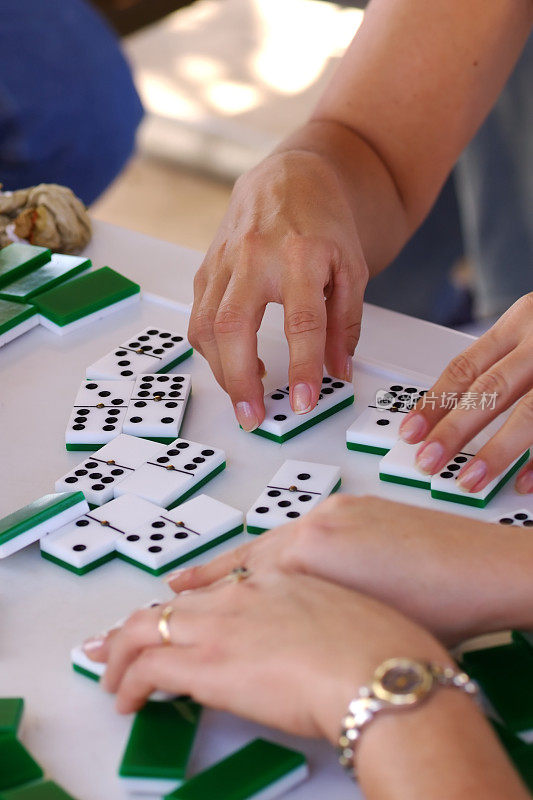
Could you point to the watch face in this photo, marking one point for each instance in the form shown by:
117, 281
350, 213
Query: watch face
402, 681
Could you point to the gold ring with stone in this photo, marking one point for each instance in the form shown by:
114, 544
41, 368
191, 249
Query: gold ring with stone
238, 574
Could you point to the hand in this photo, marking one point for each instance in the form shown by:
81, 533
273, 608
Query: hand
417, 560
289, 651
500, 363
288, 237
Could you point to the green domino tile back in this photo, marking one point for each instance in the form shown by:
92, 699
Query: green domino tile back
16, 764
525, 638
45, 790
18, 259
520, 753
84, 295
11, 709
12, 314
55, 272
505, 674
33, 514
161, 740
242, 774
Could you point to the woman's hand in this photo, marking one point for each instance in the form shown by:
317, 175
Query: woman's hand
288, 237
289, 651
418, 560
499, 367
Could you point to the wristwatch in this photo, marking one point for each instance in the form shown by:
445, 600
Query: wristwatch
397, 683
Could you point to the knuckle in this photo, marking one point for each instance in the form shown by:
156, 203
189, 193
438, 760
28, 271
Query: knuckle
228, 321
462, 369
302, 321
199, 280
201, 326
493, 382
525, 303
526, 405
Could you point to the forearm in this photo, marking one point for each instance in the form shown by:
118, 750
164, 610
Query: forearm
444, 750
415, 84
475, 580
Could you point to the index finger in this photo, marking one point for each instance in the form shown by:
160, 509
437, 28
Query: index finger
305, 329
457, 379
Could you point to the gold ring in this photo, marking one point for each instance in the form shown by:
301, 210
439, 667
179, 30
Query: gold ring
163, 626
238, 574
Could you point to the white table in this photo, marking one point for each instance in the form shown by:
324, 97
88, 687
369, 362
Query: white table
71, 726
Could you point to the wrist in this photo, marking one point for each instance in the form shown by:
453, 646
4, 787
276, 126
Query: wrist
338, 691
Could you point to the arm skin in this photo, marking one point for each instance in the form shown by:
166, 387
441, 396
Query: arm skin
339, 198
411, 91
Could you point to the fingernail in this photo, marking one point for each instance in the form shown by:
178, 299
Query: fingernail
246, 416
95, 643
413, 428
172, 575
348, 369
474, 472
301, 398
524, 482
429, 456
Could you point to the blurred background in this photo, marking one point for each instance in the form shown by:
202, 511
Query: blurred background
150, 109
221, 81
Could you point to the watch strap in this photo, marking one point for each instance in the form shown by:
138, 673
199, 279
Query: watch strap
365, 706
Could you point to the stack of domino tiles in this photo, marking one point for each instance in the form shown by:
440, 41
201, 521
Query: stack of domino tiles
129, 391
377, 431
38, 287
21, 777
503, 673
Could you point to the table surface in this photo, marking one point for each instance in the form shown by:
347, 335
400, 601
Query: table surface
70, 726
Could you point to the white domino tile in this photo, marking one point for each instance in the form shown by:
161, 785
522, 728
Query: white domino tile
150, 351
398, 466
81, 545
99, 475
296, 488
521, 518
280, 420
169, 537
176, 472
376, 429
157, 406
444, 484
99, 412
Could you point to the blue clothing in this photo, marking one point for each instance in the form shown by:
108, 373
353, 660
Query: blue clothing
68, 106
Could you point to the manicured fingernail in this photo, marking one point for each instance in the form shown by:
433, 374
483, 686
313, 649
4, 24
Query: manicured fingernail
348, 369
413, 428
474, 472
301, 398
95, 643
429, 456
524, 483
246, 416
172, 575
